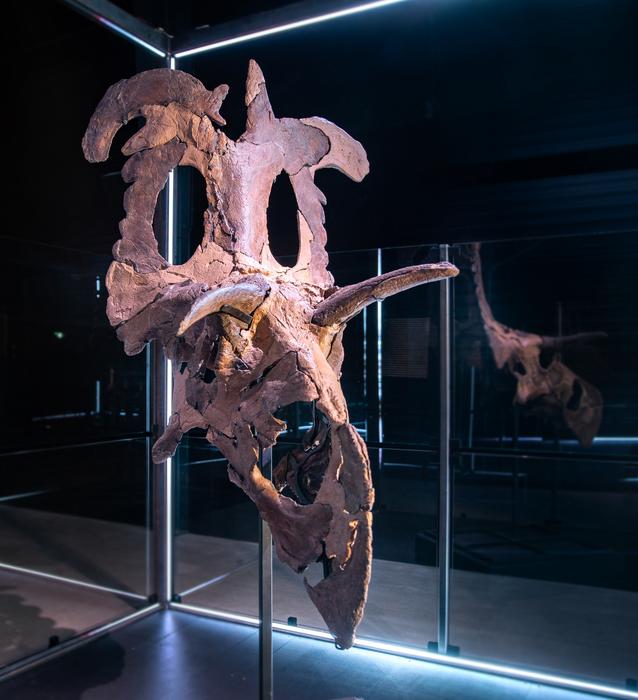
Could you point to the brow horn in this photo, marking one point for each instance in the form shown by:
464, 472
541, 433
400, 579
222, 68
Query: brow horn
239, 300
346, 303
160, 86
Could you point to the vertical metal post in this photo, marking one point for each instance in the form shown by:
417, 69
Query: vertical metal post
158, 471
470, 432
445, 474
149, 549
265, 592
161, 401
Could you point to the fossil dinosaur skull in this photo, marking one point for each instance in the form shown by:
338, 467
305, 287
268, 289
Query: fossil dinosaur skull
247, 335
550, 385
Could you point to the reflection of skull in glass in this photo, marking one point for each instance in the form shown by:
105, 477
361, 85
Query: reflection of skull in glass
543, 381
247, 335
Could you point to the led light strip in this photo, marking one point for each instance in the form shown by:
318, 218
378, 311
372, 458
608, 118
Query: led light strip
168, 495
380, 357
129, 36
413, 653
287, 27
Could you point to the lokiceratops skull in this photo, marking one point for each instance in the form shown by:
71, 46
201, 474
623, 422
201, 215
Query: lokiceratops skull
245, 334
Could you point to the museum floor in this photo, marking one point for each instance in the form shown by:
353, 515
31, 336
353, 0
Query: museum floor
176, 656
512, 620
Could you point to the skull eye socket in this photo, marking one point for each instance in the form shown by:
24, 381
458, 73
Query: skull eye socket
192, 212
519, 369
576, 395
283, 235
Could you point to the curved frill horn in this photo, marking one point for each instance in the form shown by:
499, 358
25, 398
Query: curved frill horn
166, 98
307, 145
347, 302
124, 100
241, 300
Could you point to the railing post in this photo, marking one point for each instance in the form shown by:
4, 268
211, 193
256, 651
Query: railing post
445, 472
159, 475
265, 591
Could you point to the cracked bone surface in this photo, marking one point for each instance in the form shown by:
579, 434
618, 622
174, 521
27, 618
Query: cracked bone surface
247, 335
546, 383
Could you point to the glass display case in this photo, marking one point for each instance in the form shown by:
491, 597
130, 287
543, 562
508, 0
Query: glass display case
509, 528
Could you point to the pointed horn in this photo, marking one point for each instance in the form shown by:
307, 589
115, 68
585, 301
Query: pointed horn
346, 154
348, 301
549, 342
259, 110
240, 301
124, 100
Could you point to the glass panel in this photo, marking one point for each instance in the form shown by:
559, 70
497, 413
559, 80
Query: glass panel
217, 527
399, 383
483, 161
585, 296
216, 532
401, 606
81, 385
74, 503
75, 542
545, 531
409, 390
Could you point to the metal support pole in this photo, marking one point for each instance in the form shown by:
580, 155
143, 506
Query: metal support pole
161, 402
265, 592
445, 474
159, 472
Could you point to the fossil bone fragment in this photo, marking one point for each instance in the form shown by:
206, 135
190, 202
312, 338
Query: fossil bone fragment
547, 383
247, 335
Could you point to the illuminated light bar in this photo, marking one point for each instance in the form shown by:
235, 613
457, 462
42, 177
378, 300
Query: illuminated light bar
168, 495
287, 27
26, 494
414, 653
170, 244
217, 614
131, 37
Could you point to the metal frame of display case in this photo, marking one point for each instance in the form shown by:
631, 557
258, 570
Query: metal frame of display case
159, 43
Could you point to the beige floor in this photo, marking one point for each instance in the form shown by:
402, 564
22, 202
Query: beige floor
575, 630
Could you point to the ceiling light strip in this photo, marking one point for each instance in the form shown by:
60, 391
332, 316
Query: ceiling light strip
128, 35
287, 27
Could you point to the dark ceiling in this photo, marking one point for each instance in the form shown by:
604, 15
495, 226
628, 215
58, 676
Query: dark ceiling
177, 17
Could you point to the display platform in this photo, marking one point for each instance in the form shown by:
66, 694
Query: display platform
175, 656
